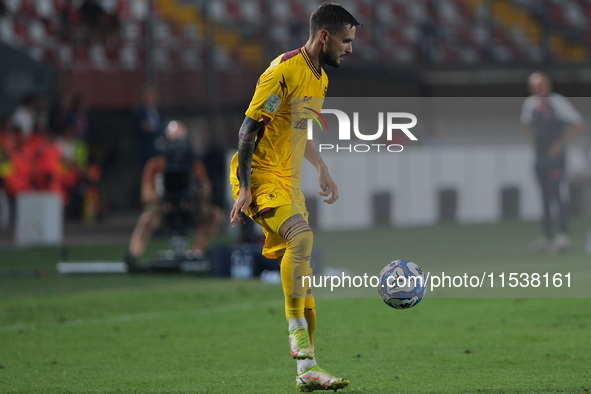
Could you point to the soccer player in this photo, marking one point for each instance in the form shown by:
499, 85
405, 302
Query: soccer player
265, 173
550, 121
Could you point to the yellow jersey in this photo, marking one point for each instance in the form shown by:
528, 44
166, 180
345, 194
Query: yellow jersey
280, 145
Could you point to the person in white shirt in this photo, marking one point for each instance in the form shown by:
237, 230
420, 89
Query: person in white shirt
550, 121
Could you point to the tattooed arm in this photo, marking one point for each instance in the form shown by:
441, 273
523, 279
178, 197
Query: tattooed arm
246, 141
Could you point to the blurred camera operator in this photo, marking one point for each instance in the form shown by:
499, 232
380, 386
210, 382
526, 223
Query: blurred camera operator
168, 191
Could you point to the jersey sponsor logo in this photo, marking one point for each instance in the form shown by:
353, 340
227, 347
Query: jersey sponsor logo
325, 90
272, 103
301, 124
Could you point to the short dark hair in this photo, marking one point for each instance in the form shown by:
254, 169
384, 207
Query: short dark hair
332, 17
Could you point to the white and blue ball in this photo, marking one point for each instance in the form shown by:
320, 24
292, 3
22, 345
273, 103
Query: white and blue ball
402, 284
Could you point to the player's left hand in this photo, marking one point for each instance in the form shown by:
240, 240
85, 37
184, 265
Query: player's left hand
242, 203
328, 188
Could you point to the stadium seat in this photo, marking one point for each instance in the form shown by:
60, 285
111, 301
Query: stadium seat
191, 59
250, 12
131, 32
574, 15
7, 33
162, 58
385, 13
469, 55
365, 12
110, 6
13, 6
138, 10
44, 9
65, 54
280, 36
280, 10
218, 12
129, 59
80, 57
458, 30
163, 33
37, 33
98, 57
21, 31
448, 13
191, 34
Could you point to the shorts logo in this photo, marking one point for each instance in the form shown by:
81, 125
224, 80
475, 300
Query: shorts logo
271, 196
272, 103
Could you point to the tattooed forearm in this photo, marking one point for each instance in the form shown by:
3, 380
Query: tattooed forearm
246, 137
245, 152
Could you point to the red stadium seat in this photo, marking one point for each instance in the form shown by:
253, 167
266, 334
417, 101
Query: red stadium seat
27, 7
21, 31
58, 6
123, 9
556, 14
365, 12
81, 57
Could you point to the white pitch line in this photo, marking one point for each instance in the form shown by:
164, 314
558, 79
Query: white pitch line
143, 316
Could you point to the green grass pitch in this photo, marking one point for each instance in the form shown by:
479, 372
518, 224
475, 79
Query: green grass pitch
185, 334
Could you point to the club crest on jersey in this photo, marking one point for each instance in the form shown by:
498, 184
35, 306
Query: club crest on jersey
271, 196
272, 103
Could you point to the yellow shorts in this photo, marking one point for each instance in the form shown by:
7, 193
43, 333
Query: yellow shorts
272, 204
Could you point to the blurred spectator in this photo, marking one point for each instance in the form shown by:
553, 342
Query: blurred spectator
25, 115
61, 166
32, 115
5, 170
10, 138
35, 164
68, 15
2, 8
42, 113
59, 113
101, 24
43, 161
76, 116
550, 121
147, 125
79, 179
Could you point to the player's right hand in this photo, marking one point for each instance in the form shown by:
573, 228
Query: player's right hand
242, 202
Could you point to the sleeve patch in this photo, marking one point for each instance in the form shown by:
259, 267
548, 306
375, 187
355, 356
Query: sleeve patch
272, 103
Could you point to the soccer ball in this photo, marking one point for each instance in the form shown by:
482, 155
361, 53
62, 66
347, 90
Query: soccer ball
402, 284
